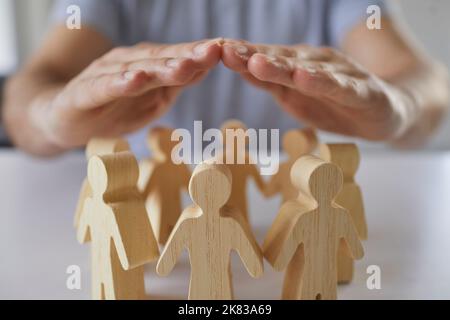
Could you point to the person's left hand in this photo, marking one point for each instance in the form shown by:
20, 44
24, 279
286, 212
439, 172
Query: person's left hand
323, 88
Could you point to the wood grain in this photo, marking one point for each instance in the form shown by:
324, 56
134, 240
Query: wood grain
115, 219
162, 183
346, 156
305, 237
209, 230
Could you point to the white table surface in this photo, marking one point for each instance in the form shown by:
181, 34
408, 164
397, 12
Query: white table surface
407, 199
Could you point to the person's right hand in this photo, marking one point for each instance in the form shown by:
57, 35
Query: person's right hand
122, 91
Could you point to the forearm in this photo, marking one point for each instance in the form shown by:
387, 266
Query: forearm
426, 93
27, 100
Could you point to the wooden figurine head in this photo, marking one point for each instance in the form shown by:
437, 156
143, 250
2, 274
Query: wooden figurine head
299, 142
159, 140
317, 178
100, 146
113, 176
210, 186
345, 156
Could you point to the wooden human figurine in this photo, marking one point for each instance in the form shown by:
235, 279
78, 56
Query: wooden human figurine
296, 143
240, 172
162, 183
97, 146
346, 156
209, 230
305, 236
115, 220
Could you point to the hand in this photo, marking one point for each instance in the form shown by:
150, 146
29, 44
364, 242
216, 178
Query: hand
122, 91
323, 88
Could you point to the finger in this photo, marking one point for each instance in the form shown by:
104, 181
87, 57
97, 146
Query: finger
272, 69
280, 69
312, 53
236, 57
235, 54
198, 77
323, 80
96, 91
207, 52
275, 89
270, 49
161, 66
336, 87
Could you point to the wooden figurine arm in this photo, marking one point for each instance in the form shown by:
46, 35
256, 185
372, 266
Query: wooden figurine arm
273, 186
119, 242
248, 249
285, 235
283, 253
353, 243
146, 168
260, 183
132, 234
85, 192
186, 176
172, 251
83, 231
150, 186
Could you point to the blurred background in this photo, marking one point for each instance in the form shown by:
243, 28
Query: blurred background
23, 24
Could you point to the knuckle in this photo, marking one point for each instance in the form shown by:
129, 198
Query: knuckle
124, 66
118, 51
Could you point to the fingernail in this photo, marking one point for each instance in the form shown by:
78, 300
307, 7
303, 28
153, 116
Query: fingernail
173, 63
271, 59
129, 75
274, 61
201, 48
311, 70
220, 41
241, 50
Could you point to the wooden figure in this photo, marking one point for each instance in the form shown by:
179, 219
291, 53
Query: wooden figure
346, 156
115, 220
162, 183
307, 232
296, 143
97, 146
240, 173
209, 231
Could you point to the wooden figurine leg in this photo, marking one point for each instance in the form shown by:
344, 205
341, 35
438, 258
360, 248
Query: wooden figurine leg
109, 285
230, 283
126, 284
329, 294
129, 284
97, 290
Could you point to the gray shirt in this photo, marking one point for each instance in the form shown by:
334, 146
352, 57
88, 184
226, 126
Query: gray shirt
222, 95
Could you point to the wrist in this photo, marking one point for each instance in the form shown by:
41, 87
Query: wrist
404, 108
43, 118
